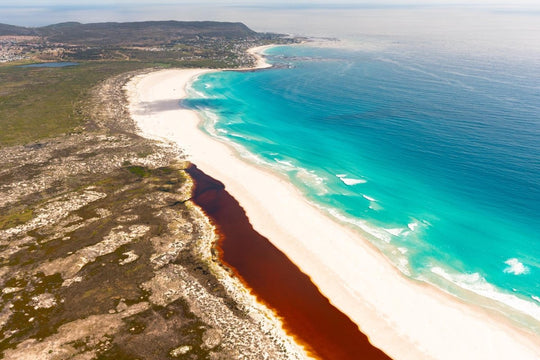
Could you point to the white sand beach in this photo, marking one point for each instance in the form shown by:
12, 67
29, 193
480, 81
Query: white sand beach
260, 60
407, 320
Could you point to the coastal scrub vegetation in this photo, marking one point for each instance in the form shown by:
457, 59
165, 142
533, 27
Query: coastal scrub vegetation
102, 255
37, 103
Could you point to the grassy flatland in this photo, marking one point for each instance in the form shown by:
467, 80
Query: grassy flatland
37, 103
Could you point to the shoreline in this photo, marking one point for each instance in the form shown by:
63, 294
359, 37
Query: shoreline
351, 273
305, 314
260, 60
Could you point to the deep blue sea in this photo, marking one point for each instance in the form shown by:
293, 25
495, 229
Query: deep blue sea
433, 158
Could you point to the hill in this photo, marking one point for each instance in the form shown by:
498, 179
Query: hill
132, 33
178, 43
11, 30
142, 33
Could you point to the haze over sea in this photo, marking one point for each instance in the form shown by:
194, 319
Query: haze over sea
427, 146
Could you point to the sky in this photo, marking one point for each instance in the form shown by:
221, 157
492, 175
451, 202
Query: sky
259, 2
39, 12
255, 3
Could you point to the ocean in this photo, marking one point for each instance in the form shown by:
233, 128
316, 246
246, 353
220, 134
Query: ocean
432, 157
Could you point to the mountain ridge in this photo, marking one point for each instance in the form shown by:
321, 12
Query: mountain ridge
142, 32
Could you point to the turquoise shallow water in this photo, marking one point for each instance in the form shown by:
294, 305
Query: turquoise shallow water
435, 160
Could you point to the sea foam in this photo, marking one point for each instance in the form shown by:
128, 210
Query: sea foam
312, 180
368, 198
412, 226
365, 226
515, 267
350, 181
395, 232
476, 283
286, 164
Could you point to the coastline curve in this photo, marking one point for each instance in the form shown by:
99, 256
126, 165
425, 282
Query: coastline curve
350, 272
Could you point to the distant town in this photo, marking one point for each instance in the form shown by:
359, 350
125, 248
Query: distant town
218, 44
14, 48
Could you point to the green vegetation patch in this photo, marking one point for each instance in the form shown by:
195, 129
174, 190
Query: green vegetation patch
139, 171
37, 103
14, 218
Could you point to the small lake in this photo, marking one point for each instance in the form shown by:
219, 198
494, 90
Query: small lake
51, 64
